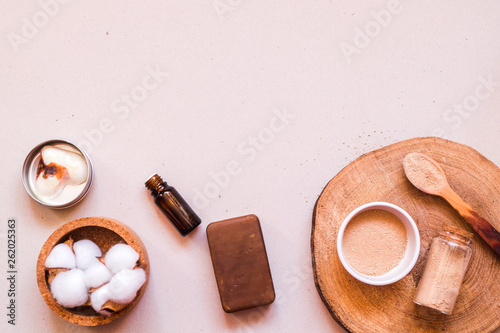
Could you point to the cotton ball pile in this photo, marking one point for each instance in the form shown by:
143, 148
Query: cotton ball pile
121, 290
121, 259
80, 271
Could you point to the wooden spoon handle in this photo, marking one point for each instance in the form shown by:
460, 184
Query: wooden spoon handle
480, 225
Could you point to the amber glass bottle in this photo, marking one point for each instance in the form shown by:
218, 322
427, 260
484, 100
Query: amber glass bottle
173, 205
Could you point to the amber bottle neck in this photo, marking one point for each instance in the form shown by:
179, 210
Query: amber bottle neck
156, 185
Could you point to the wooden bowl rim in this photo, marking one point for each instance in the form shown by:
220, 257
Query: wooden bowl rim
123, 231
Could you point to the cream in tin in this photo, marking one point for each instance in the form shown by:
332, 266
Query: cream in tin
57, 173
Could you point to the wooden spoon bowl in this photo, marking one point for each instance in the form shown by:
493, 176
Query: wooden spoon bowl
428, 176
105, 232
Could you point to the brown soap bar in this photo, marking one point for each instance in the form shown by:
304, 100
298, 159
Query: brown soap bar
240, 263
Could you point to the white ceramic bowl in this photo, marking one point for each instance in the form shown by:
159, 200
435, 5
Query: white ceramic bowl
412, 248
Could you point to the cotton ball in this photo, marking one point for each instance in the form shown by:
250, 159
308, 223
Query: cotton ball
125, 284
61, 256
97, 275
99, 297
86, 252
69, 289
121, 256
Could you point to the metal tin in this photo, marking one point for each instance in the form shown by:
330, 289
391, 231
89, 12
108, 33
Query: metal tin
30, 167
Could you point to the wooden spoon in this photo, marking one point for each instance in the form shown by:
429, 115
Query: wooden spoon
428, 176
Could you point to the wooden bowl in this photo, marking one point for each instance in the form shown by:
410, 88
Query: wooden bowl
105, 232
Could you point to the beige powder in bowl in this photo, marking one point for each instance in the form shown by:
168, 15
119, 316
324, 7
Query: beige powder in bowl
374, 242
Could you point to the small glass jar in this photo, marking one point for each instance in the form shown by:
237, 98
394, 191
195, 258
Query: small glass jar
445, 269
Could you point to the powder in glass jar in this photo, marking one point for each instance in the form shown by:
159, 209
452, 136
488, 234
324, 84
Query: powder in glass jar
374, 242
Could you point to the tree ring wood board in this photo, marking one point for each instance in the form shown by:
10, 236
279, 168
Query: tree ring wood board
379, 176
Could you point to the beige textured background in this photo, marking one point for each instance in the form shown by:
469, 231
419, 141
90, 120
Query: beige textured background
350, 77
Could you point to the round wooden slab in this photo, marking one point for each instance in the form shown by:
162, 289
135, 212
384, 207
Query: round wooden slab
379, 176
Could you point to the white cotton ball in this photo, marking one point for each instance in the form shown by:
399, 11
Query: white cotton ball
121, 256
99, 297
69, 289
97, 275
61, 256
65, 156
125, 284
86, 252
